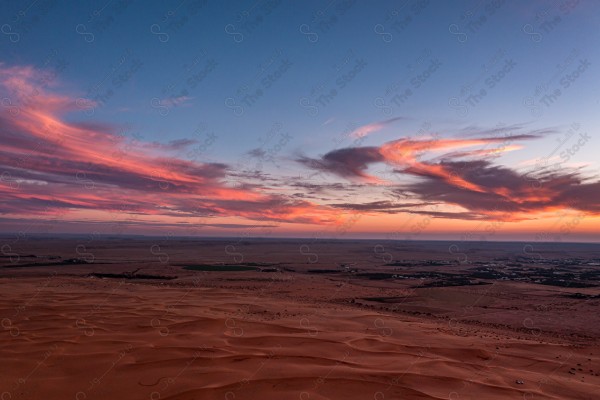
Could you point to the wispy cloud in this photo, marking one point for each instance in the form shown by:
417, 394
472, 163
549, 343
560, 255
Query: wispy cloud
90, 167
52, 167
175, 101
459, 172
365, 130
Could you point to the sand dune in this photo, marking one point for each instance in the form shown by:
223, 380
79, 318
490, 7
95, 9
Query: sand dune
86, 338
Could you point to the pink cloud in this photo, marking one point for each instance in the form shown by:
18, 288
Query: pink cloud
88, 166
463, 175
365, 130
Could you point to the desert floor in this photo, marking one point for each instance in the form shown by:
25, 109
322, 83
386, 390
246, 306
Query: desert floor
125, 319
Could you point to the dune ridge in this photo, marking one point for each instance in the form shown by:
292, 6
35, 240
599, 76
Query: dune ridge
86, 338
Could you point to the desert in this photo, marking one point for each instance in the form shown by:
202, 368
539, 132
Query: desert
194, 323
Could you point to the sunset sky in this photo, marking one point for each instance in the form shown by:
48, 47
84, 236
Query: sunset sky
472, 120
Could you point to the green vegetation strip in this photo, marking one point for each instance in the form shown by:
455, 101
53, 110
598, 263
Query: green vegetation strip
230, 268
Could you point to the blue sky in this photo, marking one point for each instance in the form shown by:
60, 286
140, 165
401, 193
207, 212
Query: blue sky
296, 78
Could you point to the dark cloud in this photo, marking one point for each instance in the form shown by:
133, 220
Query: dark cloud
465, 178
387, 207
451, 215
505, 132
348, 163
504, 192
173, 145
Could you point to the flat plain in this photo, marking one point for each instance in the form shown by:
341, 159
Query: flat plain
181, 318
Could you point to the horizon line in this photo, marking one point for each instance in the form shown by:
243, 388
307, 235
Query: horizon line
286, 238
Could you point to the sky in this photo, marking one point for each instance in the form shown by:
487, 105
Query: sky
405, 120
